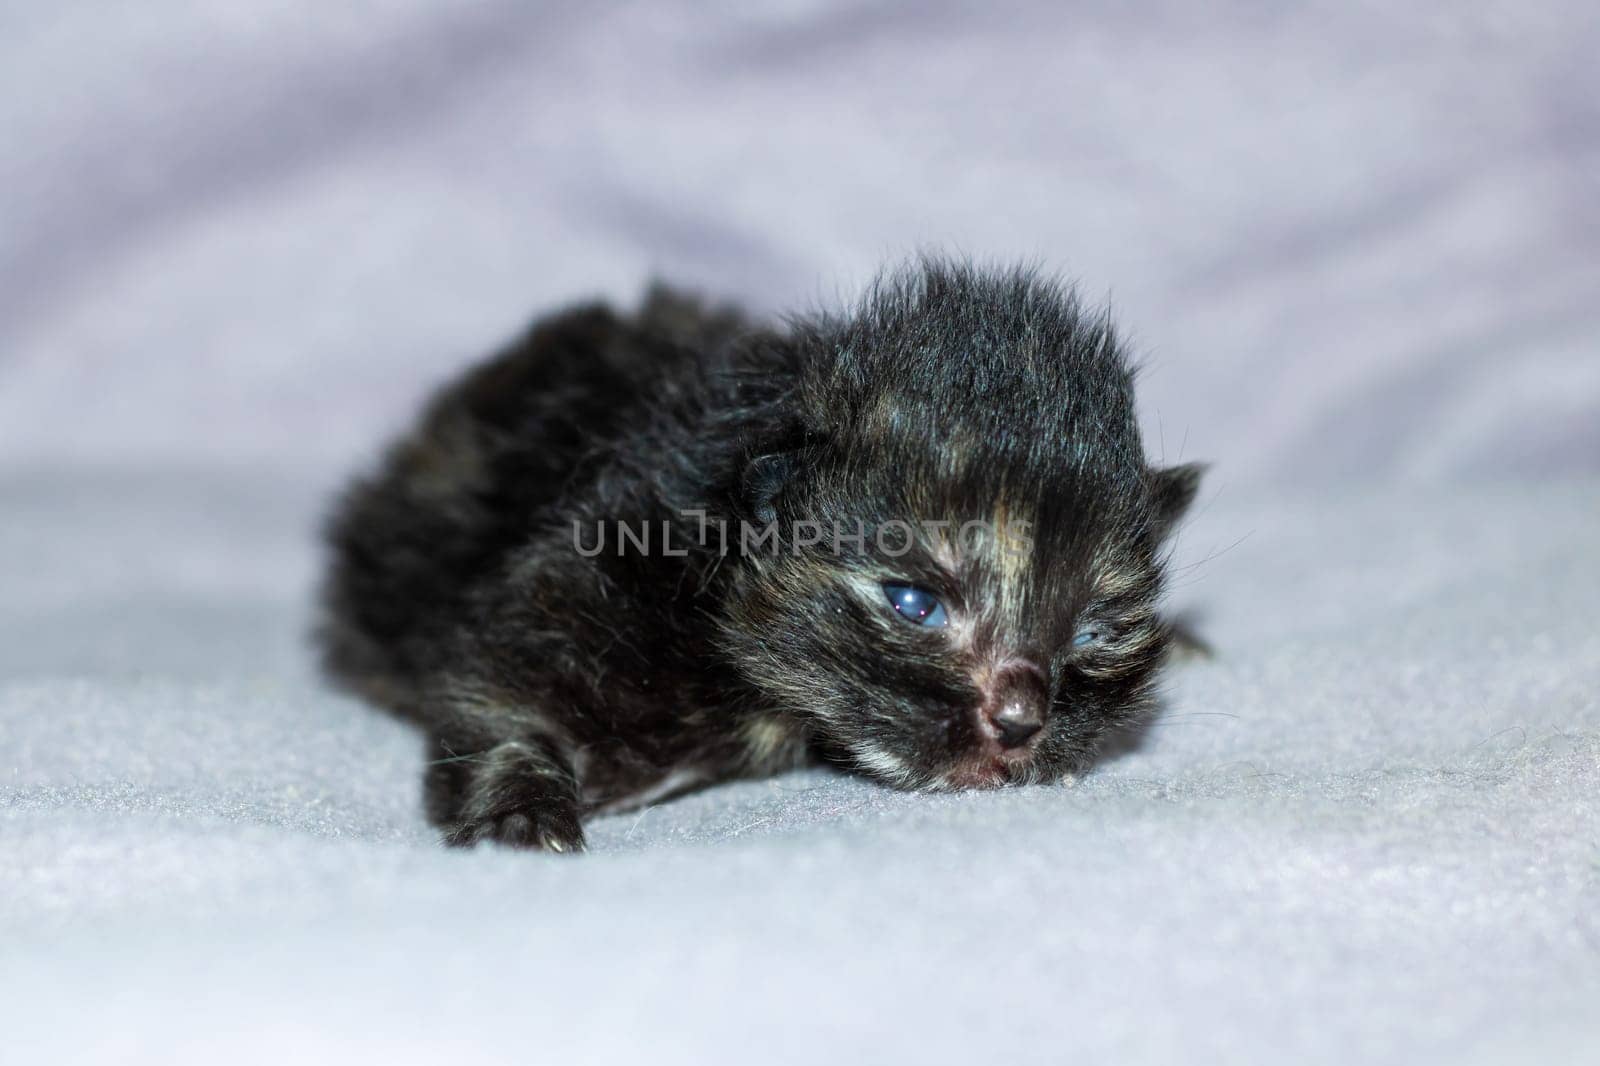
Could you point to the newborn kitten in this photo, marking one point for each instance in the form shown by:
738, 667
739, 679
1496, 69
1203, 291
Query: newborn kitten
633, 554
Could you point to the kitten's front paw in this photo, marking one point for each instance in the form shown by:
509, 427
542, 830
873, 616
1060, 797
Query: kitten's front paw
520, 795
547, 828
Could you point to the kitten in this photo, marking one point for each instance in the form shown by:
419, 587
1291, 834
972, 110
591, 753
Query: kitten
635, 554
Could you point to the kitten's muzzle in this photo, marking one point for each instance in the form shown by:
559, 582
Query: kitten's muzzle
1014, 706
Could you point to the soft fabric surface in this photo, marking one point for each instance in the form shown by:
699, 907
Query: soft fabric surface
1360, 253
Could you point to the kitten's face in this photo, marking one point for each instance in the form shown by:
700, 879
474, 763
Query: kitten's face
974, 638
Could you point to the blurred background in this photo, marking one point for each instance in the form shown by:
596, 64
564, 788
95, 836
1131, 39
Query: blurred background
1349, 241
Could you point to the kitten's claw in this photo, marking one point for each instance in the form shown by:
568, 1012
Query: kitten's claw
542, 830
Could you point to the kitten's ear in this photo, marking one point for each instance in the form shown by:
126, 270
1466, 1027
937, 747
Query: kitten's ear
764, 478
1172, 490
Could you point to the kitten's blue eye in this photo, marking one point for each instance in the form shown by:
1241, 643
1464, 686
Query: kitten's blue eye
1086, 637
917, 606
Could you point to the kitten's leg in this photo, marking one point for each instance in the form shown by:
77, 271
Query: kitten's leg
521, 792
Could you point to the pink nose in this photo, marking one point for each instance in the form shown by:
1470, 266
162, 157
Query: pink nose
1014, 705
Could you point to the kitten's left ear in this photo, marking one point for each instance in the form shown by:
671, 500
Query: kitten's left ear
764, 477
1172, 490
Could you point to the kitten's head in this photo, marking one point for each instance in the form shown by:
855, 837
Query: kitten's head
965, 583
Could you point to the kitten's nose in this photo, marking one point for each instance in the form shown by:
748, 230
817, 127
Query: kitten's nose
1014, 711
1017, 723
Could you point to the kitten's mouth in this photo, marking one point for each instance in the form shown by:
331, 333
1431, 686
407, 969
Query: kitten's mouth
983, 771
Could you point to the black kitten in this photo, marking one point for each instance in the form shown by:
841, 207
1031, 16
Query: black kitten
635, 554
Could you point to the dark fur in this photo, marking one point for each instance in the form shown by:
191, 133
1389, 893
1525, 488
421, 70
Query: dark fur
552, 685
